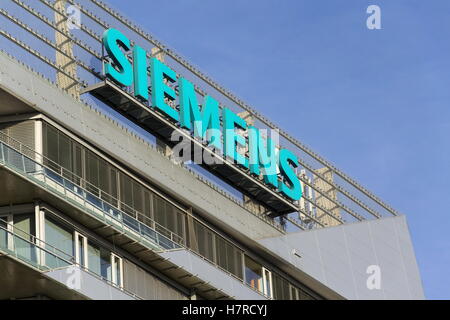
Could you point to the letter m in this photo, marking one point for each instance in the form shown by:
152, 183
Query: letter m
207, 122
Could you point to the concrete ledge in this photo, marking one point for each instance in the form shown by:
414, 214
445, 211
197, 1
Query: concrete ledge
87, 284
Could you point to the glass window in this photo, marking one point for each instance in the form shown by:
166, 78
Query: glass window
59, 240
147, 216
81, 250
126, 193
78, 161
267, 278
205, 241
228, 257
137, 197
253, 274
113, 187
92, 173
81, 254
99, 261
65, 153
3, 233
117, 270
281, 288
238, 263
159, 210
23, 242
51, 143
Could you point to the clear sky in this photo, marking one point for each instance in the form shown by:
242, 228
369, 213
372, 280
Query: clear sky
376, 103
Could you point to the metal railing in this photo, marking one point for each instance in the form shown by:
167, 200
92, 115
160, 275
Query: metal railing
29, 249
40, 255
20, 157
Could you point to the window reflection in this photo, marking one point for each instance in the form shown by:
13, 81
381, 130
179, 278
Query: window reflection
253, 274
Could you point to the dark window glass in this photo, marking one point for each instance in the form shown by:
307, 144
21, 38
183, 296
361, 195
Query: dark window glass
126, 193
205, 241
137, 197
65, 153
253, 274
99, 261
77, 164
3, 233
52, 147
59, 242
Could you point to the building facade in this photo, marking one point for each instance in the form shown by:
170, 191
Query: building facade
93, 204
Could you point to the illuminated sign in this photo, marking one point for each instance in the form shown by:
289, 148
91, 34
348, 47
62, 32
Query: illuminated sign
206, 121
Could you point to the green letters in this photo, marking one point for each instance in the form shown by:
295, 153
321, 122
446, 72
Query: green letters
206, 123
291, 186
231, 139
160, 90
121, 72
140, 73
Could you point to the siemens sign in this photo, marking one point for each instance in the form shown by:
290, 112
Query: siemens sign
276, 166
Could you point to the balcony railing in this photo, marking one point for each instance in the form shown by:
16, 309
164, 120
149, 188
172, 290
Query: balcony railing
30, 250
27, 162
40, 255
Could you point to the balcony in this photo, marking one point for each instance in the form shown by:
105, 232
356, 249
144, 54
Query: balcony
27, 163
32, 267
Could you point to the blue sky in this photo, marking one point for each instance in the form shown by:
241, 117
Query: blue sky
374, 102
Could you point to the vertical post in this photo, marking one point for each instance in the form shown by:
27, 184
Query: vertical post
64, 43
39, 218
38, 143
331, 192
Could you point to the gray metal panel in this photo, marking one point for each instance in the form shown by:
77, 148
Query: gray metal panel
339, 257
208, 273
90, 286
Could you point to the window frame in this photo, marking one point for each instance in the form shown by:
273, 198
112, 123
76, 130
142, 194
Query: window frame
84, 240
10, 228
267, 273
116, 279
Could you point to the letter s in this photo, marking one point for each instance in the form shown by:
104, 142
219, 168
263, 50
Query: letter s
291, 188
121, 70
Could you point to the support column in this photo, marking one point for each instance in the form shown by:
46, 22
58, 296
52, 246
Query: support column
66, 60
